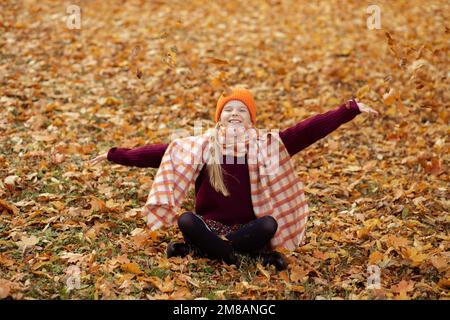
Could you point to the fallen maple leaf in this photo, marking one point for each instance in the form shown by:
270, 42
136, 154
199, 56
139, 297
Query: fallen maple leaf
131, 267
413, 255
298, 274
402, 288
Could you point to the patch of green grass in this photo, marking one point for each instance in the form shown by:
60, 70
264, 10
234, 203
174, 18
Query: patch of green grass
211, 295
63, 294
49, 188
209, 269
16, 255
158, 272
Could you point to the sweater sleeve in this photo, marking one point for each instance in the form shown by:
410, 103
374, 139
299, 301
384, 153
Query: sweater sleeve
306, 132
146, 156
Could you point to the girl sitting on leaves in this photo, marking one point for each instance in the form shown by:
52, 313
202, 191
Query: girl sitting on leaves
245, 201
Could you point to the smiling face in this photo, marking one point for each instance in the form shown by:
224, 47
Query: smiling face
235, 113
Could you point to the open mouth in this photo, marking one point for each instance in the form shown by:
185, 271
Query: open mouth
235, 121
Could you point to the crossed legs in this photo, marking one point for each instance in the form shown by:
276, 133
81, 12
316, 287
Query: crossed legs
251, 237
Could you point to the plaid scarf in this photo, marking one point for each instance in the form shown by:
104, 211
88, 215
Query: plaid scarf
276, 189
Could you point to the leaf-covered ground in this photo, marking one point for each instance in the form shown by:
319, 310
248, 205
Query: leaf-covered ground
137, 70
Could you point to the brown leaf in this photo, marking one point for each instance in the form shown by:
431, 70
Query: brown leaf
218, 61
441, 263
8, 207
138, 73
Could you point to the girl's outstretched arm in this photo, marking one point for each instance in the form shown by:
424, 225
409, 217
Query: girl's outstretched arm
146, 156
306, 132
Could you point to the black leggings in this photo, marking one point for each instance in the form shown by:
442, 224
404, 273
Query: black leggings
250, 238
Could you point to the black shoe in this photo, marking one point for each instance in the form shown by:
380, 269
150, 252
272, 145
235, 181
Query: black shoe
177, 249
231, 259
275, 258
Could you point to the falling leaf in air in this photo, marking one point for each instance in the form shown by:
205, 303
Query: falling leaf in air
390, 97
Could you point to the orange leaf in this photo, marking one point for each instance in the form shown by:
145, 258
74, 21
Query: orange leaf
97, 205
284, 276
131, 267
375, 257
390, 97
403, 286
363, 233
444, 283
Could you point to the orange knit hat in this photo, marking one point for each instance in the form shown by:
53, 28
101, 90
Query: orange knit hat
243, 95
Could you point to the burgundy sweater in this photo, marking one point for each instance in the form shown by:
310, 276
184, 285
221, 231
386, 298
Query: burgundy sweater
237, 208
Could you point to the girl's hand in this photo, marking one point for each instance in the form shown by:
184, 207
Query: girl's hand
98, 159
364, 108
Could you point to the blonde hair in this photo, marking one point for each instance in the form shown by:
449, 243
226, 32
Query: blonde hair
214, 168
